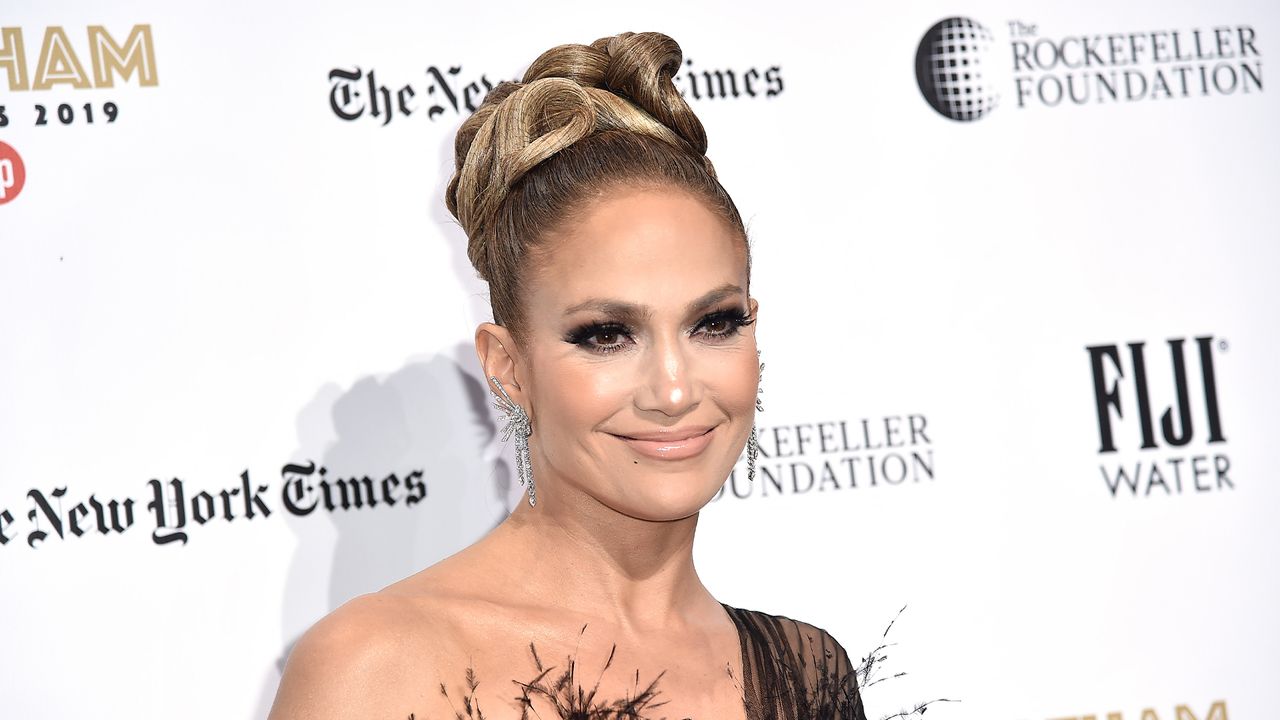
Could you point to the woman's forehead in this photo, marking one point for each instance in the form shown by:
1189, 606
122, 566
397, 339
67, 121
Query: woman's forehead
656, 248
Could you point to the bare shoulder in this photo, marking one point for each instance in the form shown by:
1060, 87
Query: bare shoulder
363, 659
382, 654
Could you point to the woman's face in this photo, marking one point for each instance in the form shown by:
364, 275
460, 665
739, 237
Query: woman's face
640, 366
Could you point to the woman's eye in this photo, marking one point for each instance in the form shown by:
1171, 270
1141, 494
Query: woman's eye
718, 326
614, 337
600, 338
608, 337
724, 324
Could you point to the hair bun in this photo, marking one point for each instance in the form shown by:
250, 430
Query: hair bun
622, 82
637, 66
529, 123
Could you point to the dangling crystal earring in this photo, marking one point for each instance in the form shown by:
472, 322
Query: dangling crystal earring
517, 423
753, 443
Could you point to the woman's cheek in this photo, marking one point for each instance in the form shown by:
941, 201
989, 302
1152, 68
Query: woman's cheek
607, 383
591, 392
738, 384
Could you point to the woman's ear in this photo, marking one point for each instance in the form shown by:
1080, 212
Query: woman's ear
498, 353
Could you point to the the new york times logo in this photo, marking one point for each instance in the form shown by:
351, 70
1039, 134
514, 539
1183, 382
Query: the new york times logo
355, 93
1181, 449
176, 508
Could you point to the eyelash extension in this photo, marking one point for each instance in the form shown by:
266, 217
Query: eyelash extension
581, 335
737, 318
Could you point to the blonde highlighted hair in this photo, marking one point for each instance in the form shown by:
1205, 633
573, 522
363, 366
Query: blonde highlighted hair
584, 120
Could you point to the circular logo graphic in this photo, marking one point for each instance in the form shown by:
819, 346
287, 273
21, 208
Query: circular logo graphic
13, 174
952, 66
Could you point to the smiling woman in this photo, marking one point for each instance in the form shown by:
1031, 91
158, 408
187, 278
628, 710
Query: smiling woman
623, 344
637, 357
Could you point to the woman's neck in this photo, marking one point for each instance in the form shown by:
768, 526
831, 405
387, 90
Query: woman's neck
575, 554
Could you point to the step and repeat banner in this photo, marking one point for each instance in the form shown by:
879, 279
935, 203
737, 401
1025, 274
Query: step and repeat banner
1017, 269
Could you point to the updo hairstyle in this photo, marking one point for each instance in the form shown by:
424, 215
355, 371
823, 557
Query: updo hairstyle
585, 120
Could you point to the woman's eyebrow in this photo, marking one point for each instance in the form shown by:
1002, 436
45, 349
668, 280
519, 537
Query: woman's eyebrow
621, 308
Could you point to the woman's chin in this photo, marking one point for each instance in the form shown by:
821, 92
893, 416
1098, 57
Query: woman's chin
668, 500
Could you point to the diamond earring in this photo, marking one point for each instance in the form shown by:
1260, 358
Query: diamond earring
517, 423
753, 442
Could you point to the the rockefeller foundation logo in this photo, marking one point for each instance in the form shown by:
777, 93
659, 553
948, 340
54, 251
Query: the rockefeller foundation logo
834, 455
952, 69
963, 69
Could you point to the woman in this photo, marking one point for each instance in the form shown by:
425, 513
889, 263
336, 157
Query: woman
623, 349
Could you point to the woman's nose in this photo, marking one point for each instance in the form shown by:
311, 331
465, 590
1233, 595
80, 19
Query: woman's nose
668, 386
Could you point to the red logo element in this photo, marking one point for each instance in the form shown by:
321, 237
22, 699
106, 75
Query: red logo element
13, 174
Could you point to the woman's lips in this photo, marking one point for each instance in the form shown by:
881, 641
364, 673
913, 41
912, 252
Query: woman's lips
670, 449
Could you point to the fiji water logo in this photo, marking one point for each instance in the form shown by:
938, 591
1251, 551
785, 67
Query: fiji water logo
1181, 449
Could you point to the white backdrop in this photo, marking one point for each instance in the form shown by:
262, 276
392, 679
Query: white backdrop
230, 278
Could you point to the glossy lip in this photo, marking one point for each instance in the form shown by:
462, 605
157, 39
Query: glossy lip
671, 445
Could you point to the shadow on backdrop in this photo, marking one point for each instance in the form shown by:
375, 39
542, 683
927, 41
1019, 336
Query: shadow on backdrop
430, 415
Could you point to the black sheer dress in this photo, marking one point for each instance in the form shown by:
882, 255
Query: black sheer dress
794, 671
791, 671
